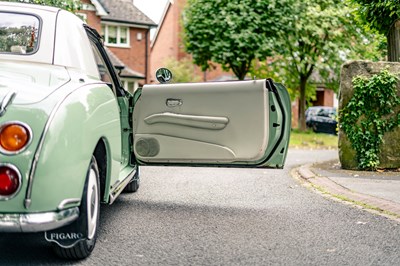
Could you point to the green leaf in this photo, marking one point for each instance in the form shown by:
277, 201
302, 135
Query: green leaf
367, 134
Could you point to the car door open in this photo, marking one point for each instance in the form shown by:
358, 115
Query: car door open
235, 123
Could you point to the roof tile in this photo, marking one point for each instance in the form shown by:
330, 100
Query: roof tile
125, 11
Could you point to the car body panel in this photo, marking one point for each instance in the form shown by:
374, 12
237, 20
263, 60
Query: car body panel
23, 161
207, 123
73, 50
72, 141
32, 82
64, 137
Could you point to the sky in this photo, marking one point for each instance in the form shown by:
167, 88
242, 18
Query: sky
152, 8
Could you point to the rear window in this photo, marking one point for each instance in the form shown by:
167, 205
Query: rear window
18, 33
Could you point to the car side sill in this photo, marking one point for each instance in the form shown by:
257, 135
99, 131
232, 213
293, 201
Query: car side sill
119, 186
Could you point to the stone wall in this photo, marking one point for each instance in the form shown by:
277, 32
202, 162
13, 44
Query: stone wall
390, 150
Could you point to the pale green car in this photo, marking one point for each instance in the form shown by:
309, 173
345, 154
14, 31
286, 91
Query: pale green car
71, 137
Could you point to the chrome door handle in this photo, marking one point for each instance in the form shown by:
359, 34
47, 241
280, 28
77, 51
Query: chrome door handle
174, 102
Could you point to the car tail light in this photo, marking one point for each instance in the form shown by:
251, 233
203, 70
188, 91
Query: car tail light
14, 137
9, 181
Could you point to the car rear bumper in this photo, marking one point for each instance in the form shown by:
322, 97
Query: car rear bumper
37, 222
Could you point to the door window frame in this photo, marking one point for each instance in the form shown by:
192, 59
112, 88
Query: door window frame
96, 41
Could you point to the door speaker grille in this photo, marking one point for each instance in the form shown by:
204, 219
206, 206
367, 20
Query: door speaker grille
147, 147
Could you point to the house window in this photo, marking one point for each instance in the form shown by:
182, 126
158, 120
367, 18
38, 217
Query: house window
115, 35
130, 85
123, 35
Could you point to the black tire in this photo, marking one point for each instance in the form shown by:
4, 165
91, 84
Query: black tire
133, 186
90, 209
314, 127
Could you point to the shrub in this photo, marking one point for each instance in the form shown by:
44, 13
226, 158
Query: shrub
371, 112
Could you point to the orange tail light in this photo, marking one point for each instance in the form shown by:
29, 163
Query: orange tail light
14, 137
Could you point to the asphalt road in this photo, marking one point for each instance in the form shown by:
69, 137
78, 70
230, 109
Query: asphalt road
215, 216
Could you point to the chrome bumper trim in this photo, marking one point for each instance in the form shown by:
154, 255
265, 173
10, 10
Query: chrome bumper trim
37, 222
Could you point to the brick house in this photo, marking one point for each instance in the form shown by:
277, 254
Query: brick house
125, 30
168, 43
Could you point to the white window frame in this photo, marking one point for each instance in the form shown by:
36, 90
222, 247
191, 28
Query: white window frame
118, 28
125, 82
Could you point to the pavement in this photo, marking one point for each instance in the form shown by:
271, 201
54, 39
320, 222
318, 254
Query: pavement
376, 191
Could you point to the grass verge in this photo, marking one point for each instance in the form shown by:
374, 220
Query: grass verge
312, 140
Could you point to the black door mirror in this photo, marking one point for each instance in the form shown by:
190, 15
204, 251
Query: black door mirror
163, 75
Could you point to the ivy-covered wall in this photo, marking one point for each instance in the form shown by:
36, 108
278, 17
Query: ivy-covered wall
389, 155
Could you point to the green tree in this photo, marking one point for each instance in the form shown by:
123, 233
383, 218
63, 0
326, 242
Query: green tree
383, 16
320, 36
182, 70
232, 32
70, 5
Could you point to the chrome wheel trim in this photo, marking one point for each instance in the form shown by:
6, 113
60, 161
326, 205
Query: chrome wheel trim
92, 203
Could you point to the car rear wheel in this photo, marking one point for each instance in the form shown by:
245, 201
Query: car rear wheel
90, 213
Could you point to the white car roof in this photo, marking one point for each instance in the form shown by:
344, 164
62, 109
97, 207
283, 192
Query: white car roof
14, 6
63, 39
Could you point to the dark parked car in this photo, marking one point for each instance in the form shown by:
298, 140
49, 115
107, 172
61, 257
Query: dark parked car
322, 119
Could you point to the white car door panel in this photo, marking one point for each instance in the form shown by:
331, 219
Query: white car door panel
203, 123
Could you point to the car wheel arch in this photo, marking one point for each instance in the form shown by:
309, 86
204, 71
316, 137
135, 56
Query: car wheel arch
102, 158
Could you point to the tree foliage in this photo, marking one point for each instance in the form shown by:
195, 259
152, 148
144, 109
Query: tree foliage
70, 5
183, 70
382, 15
378, 14
21, 36
320, 36
232, 32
